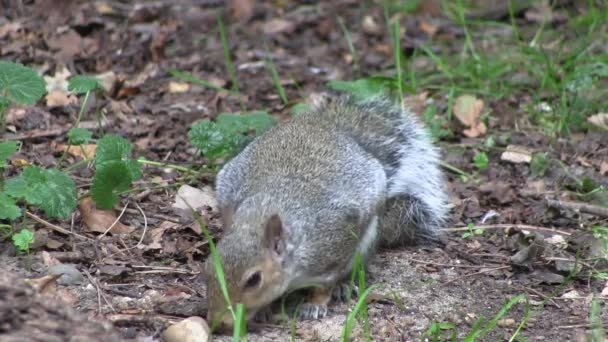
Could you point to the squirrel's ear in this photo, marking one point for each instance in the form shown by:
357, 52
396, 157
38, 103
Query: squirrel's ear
275, 236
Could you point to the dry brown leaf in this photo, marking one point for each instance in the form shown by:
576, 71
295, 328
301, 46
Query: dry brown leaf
583, 161
370, 25
49, 260
599, 120
18, 162
108, 81
98, 220
58, 98
86, 151
517, 154
104, 8
156, 234
605, 290
177, 87
44, 285
59, 81
241, 10
467, 109
604, 168
428, 28
278, 25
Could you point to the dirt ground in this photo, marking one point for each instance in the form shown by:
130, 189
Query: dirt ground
142, 288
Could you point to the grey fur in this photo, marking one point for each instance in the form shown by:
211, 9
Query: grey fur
331, 174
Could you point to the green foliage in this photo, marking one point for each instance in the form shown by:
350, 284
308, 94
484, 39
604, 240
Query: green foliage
435, 123
7, 148
227, 135
478, 330
79, 136
472, 231
20, 84
23, 240
440, 332
300, 108
481, 160
365, 88
539, 164
8, 209
50, 189
82, 84
595, 321
114, 171
601, 233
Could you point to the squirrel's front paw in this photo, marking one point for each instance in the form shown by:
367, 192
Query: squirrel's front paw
312, 311
344, 292
316, 305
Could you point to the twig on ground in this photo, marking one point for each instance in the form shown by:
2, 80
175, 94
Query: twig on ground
507, 226
56, 228
114, 223
578, 206
476, 273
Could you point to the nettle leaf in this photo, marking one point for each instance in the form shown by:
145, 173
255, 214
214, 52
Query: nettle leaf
109, 180
215, 141
50, 189
23, 239
79, 136
7, 148
20, 84
81, 84
112, 147
8, 209
114, 172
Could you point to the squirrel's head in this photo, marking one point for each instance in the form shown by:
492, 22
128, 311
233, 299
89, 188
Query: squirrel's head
252, 257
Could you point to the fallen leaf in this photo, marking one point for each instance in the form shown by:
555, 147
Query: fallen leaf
49, 260
97, 220
104, 8
604, 168
20, 162
604, 292
241, 10
189, 197
58, 98
177, 87
370, 25
44, 285
467, 109
156, 234
108, 81
428, 28
67, 44
599, 120
517, 154
277, 25
85, 151
59, 81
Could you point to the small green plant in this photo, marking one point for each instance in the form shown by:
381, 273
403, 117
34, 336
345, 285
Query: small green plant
349, 42
539, 164
441, 332
481, 161
365, 88
114, 171
276, 80
472, 231
18, 84
479, 330
360, 310
228, 134
595, 321
23, 240
435, 123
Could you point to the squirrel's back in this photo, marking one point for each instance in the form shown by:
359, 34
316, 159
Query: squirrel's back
315, 147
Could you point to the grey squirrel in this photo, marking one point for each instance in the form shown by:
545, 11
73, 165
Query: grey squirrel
303, 198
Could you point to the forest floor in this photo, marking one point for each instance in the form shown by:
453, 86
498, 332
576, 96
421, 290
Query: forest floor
517, 100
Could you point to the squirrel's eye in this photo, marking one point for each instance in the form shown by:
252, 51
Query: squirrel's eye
254, 280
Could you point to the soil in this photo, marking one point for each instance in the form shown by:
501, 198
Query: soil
143, 287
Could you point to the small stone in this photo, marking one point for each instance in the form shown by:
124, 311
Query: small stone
70, 274
192, 329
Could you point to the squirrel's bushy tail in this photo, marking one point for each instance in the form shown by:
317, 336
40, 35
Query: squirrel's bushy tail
416, 200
